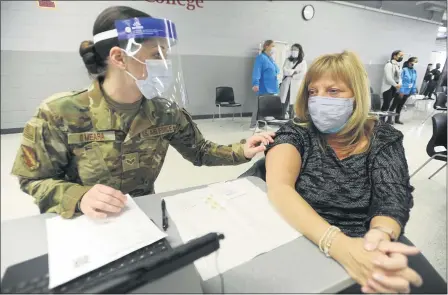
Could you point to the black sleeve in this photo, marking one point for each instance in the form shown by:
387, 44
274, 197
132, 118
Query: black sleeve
391, 189
292, 134
436, 74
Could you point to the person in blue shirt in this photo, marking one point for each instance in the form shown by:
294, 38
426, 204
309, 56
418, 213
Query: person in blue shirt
408, 86
264, 74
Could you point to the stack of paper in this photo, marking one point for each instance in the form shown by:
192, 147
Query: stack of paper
78, 246
240, 211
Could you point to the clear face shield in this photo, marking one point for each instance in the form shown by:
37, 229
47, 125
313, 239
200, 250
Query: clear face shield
151, 43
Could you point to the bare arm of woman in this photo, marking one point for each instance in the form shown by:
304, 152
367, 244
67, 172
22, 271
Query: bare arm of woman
283, 164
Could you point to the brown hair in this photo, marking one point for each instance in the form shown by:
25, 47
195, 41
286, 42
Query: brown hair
95, 56
266, 44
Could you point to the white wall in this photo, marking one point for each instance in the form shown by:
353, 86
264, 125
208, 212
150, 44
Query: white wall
224, 27
218, 43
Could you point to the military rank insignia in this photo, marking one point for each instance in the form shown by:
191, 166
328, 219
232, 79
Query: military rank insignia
130, 162
29, 157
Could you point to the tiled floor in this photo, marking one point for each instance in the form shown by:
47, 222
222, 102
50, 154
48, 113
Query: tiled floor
427, 227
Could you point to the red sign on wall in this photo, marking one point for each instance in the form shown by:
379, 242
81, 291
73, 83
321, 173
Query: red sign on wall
188, 4
46, 3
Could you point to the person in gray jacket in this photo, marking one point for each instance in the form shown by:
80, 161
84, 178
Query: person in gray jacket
391, 80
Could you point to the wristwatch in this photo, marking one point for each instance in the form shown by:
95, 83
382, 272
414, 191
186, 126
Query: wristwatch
388, 231
78, 207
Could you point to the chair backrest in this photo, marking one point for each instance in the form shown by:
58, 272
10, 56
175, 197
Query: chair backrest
438, 133
258, 170
440, 100
270, 106
224, 94
375, 102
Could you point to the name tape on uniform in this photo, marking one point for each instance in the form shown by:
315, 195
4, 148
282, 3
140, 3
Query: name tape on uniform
157, 131
75, 138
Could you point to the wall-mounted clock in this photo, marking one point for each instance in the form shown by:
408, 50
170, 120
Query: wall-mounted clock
308, 12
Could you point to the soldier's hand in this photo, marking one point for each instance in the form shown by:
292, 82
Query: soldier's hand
257, 143
101, 200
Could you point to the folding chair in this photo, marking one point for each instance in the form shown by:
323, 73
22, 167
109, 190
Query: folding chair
375, 106
439, 105
269, 106
438, 139
225, 98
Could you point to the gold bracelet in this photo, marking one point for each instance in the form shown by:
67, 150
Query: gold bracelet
330, 241
327, 238
322, 239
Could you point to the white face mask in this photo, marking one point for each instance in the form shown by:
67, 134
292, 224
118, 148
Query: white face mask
272, 53
295, 53
328, 114
158, 80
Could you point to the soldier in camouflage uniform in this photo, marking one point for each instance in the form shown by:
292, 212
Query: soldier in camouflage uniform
82, 151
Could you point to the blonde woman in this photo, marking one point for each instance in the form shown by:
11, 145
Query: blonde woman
340, 177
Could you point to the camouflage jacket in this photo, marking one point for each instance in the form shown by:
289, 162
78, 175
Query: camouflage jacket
74, 142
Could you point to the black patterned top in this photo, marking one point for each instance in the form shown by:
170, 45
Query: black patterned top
348, 193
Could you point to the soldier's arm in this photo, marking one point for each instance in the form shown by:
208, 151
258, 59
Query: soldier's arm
40, 165
190, 143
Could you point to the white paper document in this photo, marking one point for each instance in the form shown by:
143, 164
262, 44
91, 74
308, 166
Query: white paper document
80, 245
240, 211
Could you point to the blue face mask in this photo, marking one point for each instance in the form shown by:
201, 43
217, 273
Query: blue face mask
328, 114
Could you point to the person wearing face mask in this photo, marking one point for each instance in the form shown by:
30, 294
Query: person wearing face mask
340, 177
264, 75
408, 87
294, 70
391, 80
83, 151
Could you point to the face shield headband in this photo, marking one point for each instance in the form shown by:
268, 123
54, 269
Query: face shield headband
164, 77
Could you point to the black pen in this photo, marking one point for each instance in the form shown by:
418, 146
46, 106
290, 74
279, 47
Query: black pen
164, 217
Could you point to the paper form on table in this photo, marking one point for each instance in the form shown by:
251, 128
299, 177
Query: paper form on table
80, 245
239, 210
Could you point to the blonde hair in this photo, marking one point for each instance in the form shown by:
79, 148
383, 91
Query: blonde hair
347, 68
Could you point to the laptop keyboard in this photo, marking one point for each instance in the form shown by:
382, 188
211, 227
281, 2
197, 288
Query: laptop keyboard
141, 256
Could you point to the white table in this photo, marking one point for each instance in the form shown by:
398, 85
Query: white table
296, 267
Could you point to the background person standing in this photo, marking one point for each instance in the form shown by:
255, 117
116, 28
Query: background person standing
433, 83
391, 79
264, 75
426, 79
294, 70
408, 86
